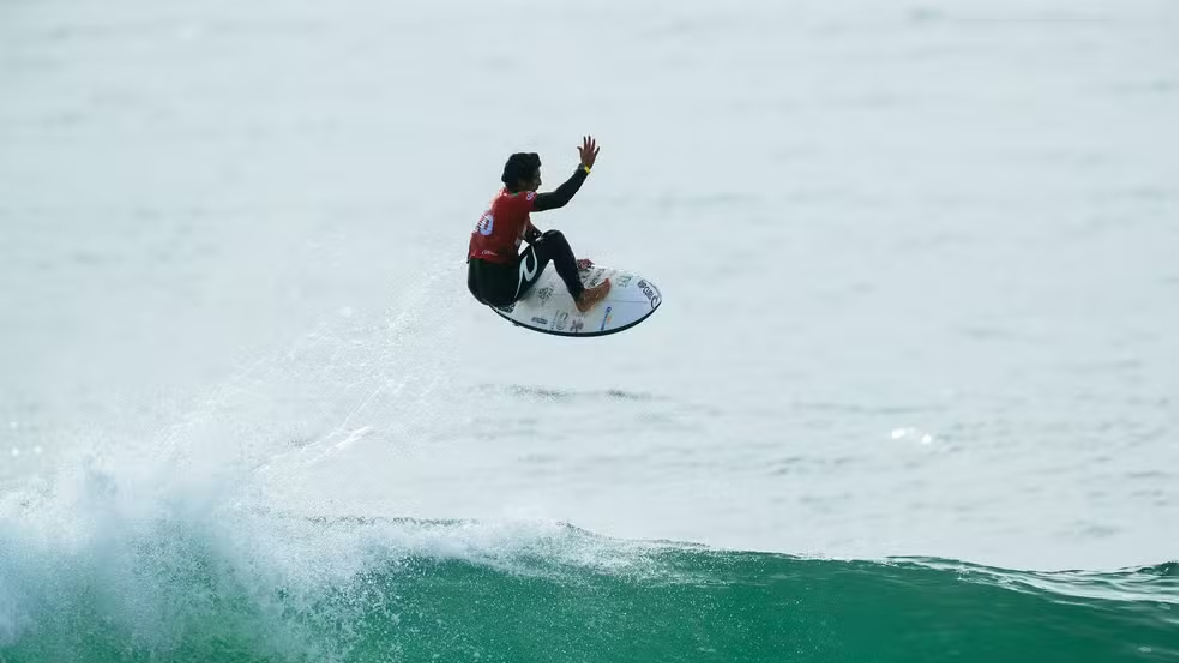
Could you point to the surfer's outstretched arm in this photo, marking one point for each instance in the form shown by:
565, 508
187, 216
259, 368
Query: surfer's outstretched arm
564, 193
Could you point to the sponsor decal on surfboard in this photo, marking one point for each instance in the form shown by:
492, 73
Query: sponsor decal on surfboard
651, 295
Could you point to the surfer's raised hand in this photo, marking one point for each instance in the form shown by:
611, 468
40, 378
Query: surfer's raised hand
589, 151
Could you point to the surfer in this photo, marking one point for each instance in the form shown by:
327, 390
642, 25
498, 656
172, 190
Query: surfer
498, 273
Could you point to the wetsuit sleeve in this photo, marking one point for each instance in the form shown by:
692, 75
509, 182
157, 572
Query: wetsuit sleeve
563, 194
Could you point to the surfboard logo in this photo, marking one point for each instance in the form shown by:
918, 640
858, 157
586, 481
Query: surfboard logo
541, 321
652, 296
606, 318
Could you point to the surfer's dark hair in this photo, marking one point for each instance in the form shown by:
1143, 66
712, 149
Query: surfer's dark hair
520, 166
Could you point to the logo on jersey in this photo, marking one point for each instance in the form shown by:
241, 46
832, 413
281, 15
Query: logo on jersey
486, 224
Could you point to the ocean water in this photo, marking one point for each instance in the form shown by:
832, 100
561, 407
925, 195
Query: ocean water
912, 394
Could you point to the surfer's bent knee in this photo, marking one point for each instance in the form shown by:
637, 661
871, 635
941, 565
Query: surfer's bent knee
555, 236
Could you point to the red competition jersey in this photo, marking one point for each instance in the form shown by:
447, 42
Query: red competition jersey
501, 229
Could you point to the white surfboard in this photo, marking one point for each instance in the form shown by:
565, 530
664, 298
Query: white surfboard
549, 308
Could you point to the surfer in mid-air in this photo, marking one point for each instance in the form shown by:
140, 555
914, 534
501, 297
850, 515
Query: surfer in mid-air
498, 273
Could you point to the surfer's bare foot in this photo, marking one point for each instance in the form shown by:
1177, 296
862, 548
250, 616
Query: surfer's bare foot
584, 264
591, 296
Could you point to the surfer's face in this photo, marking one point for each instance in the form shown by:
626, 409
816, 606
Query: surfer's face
534, 183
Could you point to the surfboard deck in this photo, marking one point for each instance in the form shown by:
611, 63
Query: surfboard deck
548, 308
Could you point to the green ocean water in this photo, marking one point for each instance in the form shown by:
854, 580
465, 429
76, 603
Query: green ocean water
450, 591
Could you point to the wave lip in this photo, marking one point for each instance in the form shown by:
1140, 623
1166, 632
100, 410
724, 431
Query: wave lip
261, 586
